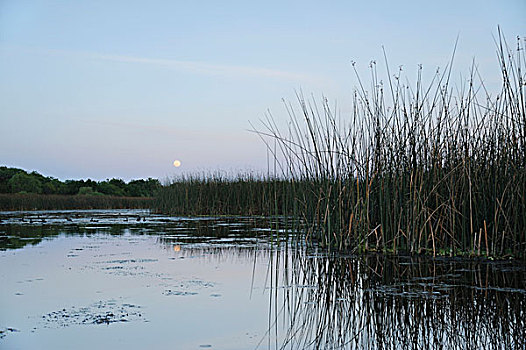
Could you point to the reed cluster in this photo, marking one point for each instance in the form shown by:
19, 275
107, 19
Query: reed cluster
222, 194
426, 168
417, 168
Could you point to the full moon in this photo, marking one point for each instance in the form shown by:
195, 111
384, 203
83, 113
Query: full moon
177, 163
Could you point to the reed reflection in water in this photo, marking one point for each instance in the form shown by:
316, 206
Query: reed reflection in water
293, 296
333, 302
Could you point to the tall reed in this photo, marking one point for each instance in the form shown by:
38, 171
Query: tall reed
222, 194
414, 168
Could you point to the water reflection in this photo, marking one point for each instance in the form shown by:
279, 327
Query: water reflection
401, 303
18, 229
313, 300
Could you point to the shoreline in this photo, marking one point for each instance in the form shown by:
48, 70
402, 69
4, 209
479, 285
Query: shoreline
32, 202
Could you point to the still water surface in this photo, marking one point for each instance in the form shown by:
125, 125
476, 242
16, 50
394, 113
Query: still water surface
130, 279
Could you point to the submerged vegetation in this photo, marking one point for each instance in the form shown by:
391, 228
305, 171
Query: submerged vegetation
434, 168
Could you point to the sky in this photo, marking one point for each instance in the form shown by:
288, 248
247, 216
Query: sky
104, 89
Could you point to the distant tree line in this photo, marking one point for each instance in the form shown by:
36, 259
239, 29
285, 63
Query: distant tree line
13, 180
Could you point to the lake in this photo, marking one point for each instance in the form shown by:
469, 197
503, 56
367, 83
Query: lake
131, 279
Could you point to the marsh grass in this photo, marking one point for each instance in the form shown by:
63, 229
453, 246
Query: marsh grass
221, 194
415, 168
33, 201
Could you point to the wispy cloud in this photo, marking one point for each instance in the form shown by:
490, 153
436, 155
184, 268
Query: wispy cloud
131, 126
197, 67
156, 130
215, 69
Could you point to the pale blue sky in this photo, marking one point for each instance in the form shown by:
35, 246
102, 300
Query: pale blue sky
104, 89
